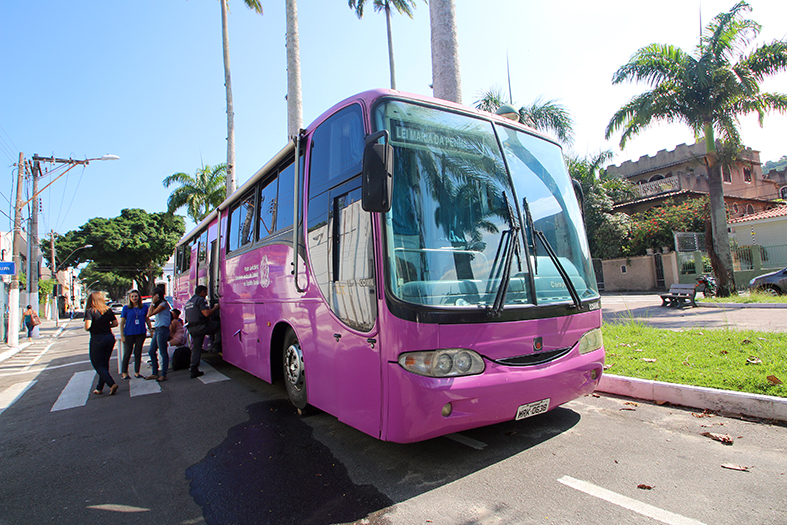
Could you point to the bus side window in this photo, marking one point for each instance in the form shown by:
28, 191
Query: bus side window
241, 226
267, 211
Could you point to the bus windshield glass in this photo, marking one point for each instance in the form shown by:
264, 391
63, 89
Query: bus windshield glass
455, 232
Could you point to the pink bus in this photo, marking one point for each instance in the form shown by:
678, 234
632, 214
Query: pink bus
421, 269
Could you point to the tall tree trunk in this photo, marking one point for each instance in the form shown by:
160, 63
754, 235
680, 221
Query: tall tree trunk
446, 81
225, 40
390, 44
722, 257
294, 101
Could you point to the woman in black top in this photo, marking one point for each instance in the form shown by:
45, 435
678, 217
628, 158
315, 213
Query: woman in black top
99, 321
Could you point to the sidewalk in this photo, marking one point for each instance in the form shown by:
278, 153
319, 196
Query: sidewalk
46, 331
647, 308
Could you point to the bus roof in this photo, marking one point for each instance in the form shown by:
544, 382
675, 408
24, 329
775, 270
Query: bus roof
367, 98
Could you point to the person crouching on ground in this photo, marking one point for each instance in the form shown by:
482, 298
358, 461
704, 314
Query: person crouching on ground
99, 321
177, 334
132, 332
159, 328
199, 325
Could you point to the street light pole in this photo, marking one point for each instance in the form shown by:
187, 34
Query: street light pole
13, 296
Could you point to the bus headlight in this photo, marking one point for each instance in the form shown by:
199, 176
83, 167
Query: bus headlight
450, 362
591, 341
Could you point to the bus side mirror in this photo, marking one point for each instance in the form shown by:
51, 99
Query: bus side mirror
377, 178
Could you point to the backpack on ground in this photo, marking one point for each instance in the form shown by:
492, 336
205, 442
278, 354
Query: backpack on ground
181, 358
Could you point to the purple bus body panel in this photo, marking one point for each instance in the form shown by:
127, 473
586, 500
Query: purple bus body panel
343, 376
415, 402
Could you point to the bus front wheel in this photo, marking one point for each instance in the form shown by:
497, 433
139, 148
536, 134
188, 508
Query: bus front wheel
294, 373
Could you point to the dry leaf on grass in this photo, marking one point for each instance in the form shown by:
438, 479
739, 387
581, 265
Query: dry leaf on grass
648, 360
644, 487
745, 342
753, 360
774, 380
706, 413
721, 438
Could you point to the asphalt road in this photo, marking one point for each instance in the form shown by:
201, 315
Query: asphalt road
231, 450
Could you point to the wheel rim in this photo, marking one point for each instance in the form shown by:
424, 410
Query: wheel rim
293, 366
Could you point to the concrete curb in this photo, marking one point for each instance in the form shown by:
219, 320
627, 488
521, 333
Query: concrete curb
723, 401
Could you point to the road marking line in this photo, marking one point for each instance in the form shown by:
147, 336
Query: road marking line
9, 396
650, 511
76, 392
211, 374
39, 356
464, 440
142, 387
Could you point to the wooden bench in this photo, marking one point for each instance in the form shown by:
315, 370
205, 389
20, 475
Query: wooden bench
680, 295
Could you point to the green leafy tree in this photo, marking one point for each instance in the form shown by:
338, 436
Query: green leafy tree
707, 90
545, 116
402, 6
116, 285
200, 193
134, 245
655, 227
607, 231
777, 165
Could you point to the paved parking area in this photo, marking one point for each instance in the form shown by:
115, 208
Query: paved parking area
647, 308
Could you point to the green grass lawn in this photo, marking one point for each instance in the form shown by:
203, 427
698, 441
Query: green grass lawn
726, 359
745, 297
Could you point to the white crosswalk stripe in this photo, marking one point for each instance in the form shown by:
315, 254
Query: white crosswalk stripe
12, 393
76, 392
141, 387
211, 374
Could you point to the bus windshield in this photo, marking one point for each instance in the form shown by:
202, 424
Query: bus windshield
455, 229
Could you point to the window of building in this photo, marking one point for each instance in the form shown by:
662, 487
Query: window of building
735, 207
746, 175
749, 209
783, 193
726, 175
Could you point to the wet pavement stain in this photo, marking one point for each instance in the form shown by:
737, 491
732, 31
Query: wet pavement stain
271, 470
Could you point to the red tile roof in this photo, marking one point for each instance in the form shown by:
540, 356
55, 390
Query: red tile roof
781, 211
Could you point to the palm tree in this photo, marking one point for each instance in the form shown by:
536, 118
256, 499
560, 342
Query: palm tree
707, 90
201, 193
547, 117
294, 100
446, 78
402, 6
225, 41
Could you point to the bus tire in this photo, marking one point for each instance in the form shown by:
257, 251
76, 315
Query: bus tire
294, 372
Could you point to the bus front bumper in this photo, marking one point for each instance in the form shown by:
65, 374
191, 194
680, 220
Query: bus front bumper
421, 407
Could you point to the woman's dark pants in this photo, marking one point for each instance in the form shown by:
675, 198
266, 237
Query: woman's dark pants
101, 347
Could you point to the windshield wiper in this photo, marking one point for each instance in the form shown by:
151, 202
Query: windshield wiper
505, 278
538, 234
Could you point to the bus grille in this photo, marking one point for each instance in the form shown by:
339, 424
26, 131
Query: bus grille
534, 359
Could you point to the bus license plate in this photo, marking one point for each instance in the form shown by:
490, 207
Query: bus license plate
532, 409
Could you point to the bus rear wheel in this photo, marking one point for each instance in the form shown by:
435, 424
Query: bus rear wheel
294, 372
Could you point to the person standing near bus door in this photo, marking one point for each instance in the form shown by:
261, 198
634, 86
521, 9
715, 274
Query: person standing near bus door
132, 332
159, 328
99, 321
199, 325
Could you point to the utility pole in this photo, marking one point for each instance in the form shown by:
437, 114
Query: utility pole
55, 313
13, 296
32, 239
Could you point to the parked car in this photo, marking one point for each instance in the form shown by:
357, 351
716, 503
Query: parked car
774, 283
117, 308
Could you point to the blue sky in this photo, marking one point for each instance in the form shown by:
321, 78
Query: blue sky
144, 80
